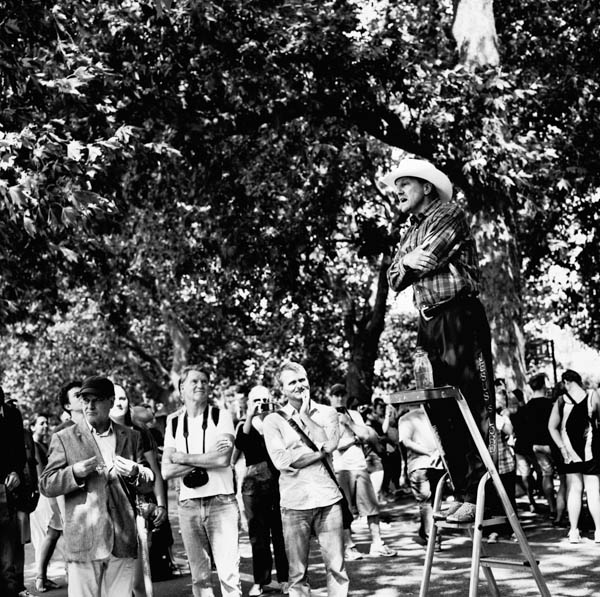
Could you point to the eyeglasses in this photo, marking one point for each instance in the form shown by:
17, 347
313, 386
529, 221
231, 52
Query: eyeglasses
93, 401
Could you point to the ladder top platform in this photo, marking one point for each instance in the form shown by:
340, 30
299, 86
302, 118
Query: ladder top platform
421, 396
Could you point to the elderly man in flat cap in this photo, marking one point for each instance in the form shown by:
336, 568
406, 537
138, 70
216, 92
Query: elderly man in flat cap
438, 258
98, 466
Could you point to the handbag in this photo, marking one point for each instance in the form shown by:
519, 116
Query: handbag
347, 516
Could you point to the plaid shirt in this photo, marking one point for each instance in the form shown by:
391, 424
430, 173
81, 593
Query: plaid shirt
443, 229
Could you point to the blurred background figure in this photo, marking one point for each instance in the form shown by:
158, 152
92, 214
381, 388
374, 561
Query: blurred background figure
152, 508
260, 494
424, 465
574, 428
46, 521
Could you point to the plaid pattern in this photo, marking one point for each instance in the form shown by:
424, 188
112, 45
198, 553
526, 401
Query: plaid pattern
506, 458
444, 229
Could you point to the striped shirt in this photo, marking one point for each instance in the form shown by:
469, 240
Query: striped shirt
443, 229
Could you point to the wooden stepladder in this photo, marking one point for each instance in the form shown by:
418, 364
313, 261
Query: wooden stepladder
475, 530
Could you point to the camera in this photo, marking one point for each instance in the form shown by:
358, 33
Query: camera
197, 477
266, 407
341, 409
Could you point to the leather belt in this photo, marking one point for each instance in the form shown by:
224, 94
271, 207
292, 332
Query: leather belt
428, 313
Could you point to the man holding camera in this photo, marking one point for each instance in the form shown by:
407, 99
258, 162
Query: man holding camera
198, 447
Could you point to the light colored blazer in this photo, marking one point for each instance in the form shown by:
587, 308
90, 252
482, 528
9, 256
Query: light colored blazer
99, 514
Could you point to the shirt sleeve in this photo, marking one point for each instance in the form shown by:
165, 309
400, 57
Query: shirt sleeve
225, 426
400, 276
280, 456
169, 439
444, 236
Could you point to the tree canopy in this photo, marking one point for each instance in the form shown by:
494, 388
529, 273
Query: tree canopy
202, 177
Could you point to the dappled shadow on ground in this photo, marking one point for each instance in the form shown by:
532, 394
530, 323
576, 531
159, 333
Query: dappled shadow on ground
569, 570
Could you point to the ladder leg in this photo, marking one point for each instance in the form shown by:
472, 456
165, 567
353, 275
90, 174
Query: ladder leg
512, 517
476, 533
433, 531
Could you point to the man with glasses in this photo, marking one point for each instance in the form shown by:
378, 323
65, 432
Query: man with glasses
98, 466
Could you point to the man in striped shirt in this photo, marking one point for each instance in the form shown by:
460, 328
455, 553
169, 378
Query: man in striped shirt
438, 258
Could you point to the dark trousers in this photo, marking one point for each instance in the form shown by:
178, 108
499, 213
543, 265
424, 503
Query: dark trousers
260, 493
457, 340
8, 578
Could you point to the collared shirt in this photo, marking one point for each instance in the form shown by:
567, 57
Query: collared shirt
443, 229
311, 486
107, 444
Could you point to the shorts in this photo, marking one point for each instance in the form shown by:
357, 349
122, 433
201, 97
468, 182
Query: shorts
359, 491
543, 455
589, 467
524, 465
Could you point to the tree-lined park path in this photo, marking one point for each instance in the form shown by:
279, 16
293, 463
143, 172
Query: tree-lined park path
569, 570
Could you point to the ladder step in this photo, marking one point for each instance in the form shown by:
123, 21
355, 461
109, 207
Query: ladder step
443, 524
504, 563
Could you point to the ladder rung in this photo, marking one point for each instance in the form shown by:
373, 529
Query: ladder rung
443, 524
504, 563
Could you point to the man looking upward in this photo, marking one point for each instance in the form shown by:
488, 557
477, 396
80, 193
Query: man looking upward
437, 256
309, 493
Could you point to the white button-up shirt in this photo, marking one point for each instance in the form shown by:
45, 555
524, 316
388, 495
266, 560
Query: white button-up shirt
311, 486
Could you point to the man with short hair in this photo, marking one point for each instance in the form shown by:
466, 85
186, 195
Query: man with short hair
536, 414
98, 466
69, 399
438, 258
12, 463
198, 446
350, 466
300, 439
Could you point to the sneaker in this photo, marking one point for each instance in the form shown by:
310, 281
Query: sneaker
381, 550
493, 538
255, 590
597, 536
352, 553
285, 588
451, 509
464, 514
574, 536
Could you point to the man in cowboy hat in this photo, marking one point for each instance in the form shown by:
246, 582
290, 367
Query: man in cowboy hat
437, 256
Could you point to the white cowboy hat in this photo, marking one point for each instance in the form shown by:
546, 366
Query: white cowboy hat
421, 169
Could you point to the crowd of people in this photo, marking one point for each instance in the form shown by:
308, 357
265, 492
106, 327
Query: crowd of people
310, 468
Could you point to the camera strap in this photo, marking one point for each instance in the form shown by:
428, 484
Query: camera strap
186, 430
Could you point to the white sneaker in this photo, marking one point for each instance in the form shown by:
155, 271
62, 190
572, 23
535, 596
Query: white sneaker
351, 553
574, 536
381, 550
255, 590
492, 538
285, 588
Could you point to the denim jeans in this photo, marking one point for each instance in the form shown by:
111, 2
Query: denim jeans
326, 523
211, 525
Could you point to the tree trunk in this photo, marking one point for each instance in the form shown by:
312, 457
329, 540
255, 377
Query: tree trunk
474, 31
362, 333
501, 294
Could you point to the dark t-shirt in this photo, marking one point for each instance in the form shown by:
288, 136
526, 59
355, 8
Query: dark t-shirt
253, 446
537, 414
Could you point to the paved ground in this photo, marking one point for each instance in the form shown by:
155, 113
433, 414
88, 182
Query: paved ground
569, 570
